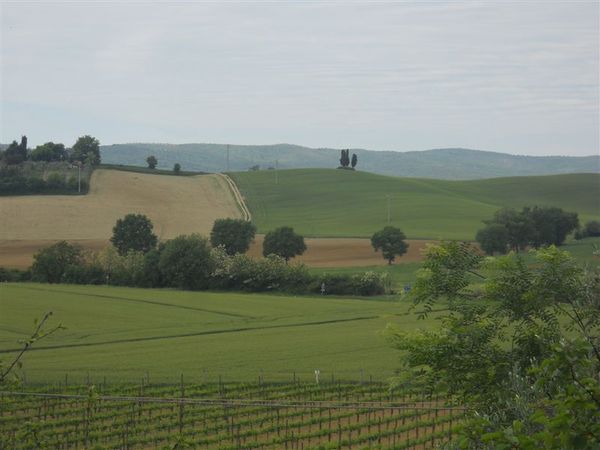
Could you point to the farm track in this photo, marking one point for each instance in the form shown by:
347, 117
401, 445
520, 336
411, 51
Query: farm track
138, 300
238, 196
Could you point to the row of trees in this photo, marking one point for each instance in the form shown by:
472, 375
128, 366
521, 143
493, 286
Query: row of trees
193, 262
345, 160
535, 227
86, 150
152, 162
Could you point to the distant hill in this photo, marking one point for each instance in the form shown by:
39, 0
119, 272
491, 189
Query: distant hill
449, 163
342, 203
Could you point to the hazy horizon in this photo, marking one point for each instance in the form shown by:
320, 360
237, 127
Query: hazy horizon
517, 78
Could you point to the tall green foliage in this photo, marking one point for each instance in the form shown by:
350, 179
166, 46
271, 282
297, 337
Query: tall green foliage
86, 150
523, 349
535, 227
391, 242
283, 242
186, 262
133, 232
235, 235
51, 263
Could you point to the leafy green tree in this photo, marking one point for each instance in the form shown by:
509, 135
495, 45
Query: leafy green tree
49, 152
51, 263
86, 150
177, 168
235, 235
152, 161
14, 154
520, 227
391, 242
551, 225
283, 242
354, 160
493, 238
523, 351
186, 262
592, 228
133, 232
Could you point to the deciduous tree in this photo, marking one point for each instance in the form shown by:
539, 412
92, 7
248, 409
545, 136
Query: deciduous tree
152, 161
235, 235
391, 242
133, 232
186, 262
50, 263
86, 150
283, 242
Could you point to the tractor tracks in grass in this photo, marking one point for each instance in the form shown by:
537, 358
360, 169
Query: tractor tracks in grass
139, 300
193, 334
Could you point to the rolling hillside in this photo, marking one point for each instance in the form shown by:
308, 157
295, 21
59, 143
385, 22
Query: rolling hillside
176, 205
320, 202
450, 163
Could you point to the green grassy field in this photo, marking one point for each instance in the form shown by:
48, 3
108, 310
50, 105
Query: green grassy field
340, 203
122, 333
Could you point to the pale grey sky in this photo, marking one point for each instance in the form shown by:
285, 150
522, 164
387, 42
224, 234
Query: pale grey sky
516, 77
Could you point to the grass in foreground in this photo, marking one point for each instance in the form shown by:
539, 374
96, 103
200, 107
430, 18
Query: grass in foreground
122, 333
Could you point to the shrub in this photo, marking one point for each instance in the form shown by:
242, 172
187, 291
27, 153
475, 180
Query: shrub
84, 274
51, 263
240, 272
186, 262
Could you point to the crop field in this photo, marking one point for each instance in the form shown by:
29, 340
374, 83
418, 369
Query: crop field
176, 205
341, 203
294, 415
125, 333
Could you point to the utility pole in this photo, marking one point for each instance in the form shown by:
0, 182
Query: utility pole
389, 208
227, 157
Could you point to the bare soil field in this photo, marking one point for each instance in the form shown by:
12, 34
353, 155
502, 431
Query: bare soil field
344, 252
176, 205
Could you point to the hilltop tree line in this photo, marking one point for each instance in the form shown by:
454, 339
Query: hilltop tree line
193, 262
345, 160
86, 150
42, 169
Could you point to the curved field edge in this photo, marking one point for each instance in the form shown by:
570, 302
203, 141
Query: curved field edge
340, 203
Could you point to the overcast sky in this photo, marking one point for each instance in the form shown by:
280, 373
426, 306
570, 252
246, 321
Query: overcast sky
516, 77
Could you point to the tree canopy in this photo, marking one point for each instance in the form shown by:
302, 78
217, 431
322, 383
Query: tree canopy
51, 263
523, 350
186, 263
49, 152
283, 242
133, 232
86, 150
391, 242
535, 227
235, 235
152, 161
